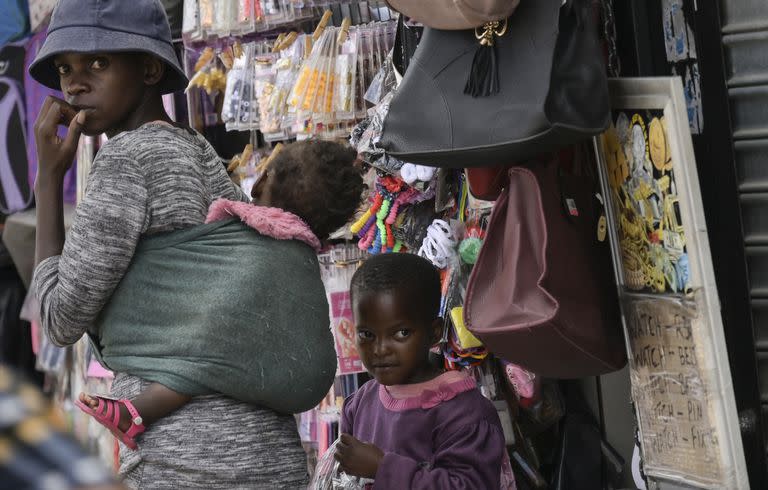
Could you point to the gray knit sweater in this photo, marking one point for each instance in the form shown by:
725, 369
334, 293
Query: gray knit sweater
154, 179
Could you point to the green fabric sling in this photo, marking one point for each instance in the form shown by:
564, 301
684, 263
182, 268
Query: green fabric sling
221, 308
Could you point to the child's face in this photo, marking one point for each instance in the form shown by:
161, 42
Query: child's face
108, 86
393, 345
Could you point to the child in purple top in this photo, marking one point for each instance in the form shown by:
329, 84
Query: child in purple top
424, 428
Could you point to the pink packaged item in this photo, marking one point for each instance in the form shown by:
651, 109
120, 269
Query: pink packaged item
521, 380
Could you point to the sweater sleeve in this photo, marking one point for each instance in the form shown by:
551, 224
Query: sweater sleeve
347, 423
468, 458
72, 288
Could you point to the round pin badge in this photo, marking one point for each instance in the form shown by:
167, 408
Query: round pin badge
657, 142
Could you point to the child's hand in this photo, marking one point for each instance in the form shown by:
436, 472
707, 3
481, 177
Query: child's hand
358, 458
54, 154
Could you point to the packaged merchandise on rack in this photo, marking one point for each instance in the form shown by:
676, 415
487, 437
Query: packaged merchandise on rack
209, 73
366, 135
239, 109
278, 12
328, 94
346, 74
222, 18
337, 266
306, 85
311, 83
274, 77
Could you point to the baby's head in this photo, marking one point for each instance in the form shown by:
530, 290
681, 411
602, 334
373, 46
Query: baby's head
317, 181
396, 303
110, 58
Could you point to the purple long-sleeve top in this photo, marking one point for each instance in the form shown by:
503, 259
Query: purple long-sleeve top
436, 435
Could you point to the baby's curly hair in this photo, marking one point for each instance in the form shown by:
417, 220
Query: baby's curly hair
319, 182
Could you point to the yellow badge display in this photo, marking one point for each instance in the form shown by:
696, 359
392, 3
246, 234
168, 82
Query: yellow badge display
642, 180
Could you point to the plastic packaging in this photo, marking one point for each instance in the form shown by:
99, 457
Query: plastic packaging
328, 475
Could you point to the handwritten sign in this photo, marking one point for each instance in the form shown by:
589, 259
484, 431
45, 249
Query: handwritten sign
671, 397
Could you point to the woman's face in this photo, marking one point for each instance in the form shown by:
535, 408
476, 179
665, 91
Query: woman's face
109, 87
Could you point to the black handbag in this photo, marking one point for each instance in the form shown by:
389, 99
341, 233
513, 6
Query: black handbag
501, 93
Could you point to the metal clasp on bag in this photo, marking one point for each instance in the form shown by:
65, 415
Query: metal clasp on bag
485, 34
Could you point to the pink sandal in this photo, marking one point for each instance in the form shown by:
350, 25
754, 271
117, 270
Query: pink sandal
111, 418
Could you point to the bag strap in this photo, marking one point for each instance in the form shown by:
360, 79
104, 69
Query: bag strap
403, 49
581, 165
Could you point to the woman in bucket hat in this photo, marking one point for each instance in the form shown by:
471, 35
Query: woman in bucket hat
113, 61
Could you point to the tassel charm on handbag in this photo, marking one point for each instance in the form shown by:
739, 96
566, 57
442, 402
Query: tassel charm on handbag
484, 76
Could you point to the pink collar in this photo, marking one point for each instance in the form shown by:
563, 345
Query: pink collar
272, 222
428, 394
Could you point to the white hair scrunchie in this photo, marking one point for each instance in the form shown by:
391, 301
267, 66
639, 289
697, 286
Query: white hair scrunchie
439, 244
411, 173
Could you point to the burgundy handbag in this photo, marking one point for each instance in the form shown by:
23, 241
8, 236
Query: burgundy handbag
542, 293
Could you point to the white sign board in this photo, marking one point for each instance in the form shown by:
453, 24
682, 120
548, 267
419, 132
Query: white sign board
681, 381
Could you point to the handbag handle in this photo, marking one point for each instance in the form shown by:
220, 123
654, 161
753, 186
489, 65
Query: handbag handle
402, 50
581, 165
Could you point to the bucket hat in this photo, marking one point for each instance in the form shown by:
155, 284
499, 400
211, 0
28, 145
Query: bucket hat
92, 26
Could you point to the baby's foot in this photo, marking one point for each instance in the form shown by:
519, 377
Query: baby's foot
125, 417
103, 410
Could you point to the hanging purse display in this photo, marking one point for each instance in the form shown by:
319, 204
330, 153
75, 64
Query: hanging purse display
542, 292
503, 92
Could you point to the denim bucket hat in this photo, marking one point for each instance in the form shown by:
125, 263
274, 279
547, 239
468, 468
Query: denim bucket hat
92, 26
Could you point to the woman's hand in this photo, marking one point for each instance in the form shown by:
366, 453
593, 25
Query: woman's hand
55, 155
358, 458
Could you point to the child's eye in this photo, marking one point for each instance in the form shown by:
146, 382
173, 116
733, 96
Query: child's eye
62, 69
364, 335
402, 334
99, 63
